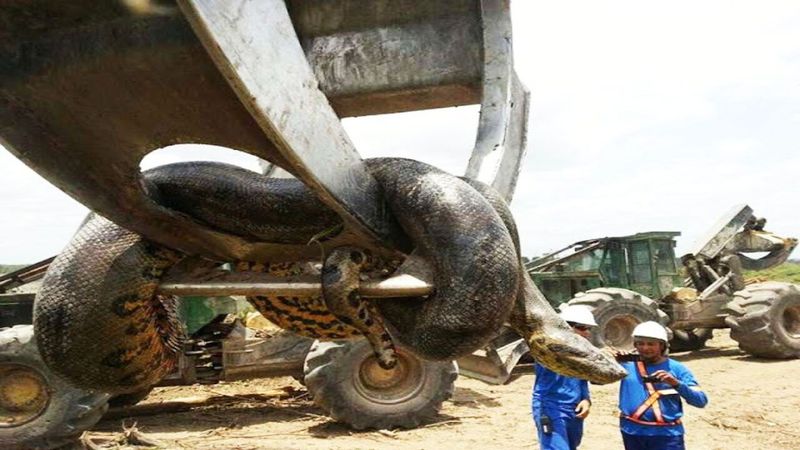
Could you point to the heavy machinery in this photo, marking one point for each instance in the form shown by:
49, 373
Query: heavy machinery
342, 377
90, 87
630, 279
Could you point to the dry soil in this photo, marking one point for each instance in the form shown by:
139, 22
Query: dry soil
753, 404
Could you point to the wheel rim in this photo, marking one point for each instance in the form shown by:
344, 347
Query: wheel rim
791, 321
392, 386
23, 395
617, 331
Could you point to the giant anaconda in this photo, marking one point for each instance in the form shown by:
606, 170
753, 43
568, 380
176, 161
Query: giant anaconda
100, 323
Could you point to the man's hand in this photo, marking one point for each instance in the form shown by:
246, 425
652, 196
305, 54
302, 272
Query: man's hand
623, 355
666, 377
582, 410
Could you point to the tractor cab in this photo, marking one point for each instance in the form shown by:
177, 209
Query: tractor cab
643, 262
628, 280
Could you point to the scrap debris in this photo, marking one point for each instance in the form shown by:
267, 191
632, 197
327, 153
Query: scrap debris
130, 436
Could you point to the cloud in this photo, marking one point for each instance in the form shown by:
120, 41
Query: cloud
38, 219
645, 116
651, 116
600, 71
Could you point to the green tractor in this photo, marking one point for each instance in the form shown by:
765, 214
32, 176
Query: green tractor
643, 262
631, 279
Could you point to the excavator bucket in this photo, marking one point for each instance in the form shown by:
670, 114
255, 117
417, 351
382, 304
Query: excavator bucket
89, 87
740, 233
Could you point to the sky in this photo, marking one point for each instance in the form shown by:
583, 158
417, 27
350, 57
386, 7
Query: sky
645, 116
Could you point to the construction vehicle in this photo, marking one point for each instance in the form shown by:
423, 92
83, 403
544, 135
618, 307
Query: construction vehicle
90, 87
631, 279
223, 349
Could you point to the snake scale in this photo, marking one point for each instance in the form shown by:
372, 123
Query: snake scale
101, 323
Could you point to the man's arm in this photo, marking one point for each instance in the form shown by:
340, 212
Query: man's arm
585, 392
683, 381
692, 393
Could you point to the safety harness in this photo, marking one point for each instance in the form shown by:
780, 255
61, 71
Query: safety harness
651, 402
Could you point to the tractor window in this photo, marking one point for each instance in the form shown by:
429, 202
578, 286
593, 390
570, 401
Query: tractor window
615, 260
640, 262
587, 262
556, 291
665, 257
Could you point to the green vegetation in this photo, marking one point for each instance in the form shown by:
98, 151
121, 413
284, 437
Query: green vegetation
10, 268
788, 271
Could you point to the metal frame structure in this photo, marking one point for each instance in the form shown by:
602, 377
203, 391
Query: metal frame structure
88, 88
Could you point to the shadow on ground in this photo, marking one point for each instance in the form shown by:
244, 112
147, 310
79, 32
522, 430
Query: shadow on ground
472, 399
212, 412
240, 411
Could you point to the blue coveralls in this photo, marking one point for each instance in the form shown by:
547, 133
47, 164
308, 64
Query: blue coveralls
633, 392
556, 397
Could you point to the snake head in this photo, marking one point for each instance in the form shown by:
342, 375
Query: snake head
553, 343
363, 258
349, 256
567, 353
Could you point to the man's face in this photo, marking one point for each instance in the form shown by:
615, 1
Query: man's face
582, 330
649, 349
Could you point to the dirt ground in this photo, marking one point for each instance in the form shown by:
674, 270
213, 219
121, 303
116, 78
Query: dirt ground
753, 404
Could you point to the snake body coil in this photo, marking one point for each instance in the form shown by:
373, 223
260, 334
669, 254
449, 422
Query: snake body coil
101, 325
97, 316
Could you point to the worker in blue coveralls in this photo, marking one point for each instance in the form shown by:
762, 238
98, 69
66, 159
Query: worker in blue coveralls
650, 395
561, 403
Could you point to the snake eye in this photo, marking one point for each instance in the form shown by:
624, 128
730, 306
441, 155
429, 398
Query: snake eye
357, 257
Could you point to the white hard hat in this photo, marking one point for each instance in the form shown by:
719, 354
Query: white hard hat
578, 314
652, 330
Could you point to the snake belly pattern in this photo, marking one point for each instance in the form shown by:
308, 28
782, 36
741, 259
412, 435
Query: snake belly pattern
101, 324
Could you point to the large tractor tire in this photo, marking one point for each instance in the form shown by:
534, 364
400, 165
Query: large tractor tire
686, 340
765, 319
617, 312
38, 409
346, 381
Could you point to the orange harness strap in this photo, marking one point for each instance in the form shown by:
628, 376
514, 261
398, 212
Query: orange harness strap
650, 402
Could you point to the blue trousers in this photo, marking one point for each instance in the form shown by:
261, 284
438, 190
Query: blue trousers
566, 435
633, 442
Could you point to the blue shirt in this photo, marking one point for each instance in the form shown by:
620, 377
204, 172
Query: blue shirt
633, 392
556, 394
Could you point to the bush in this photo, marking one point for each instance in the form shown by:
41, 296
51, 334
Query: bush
788, 272
5, 268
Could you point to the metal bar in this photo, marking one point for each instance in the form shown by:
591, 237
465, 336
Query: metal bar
722, 232
262, 284
714, 287
532, 264
500, 144
380, 56
496, 366
25, 275
253, 43
514, 140
548, 264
